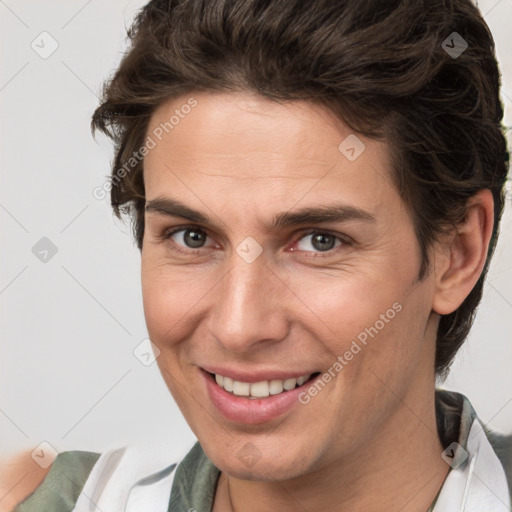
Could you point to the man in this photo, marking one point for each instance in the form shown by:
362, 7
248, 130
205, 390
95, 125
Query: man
316, 191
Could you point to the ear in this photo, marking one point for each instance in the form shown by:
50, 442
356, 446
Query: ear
459, 261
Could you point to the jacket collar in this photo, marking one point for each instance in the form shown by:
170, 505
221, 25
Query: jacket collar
476, 481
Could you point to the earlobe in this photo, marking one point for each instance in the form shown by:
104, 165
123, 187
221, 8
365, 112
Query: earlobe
461, 260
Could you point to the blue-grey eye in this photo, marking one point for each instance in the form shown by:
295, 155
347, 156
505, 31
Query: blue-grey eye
189, 237
319, 241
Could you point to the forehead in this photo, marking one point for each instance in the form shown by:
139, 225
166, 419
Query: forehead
265, 150
241, 123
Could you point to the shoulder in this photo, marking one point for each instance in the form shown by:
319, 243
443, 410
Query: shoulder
142, 472
19, 477
27, 487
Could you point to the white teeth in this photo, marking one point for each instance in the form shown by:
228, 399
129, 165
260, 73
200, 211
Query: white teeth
241, 388
228, 384
289, 384
261, 389
301, 380
276, 387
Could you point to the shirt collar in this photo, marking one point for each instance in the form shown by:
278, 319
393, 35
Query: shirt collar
476, 481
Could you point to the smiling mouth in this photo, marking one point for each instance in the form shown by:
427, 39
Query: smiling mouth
262, 389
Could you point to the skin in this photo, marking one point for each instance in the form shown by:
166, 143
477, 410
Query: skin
20, 475
242, 159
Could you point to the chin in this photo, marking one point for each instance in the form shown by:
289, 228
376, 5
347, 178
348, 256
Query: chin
258, 461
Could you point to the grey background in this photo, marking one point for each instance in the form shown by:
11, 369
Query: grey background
69, 326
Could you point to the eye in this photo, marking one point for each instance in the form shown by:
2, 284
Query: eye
189, 238
320, 241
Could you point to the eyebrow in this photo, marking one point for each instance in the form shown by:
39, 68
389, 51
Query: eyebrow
337, 212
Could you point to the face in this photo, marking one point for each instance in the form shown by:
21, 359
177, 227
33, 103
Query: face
276, 247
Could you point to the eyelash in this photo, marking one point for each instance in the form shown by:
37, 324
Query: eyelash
345, 240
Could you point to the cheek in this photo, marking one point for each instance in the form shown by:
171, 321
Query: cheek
369, 323
170, 297
346, 304
393, 344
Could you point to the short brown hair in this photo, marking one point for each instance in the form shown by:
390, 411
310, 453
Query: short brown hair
383, 67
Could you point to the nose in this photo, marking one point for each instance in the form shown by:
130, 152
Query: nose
251, 304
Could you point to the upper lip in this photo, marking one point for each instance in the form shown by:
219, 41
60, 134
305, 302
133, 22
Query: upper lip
256, 375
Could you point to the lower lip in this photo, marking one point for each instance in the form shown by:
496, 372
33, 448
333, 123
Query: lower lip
242, 409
